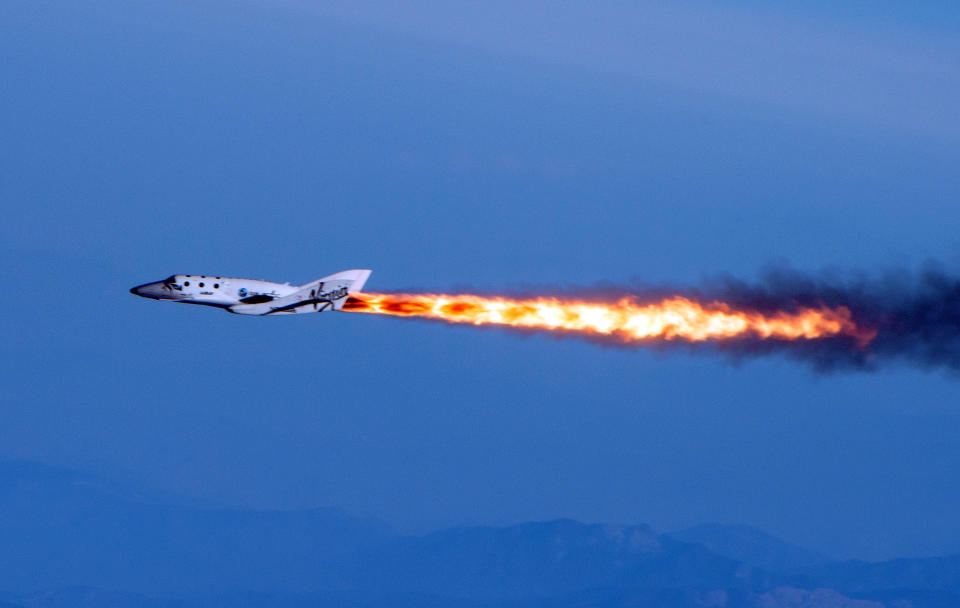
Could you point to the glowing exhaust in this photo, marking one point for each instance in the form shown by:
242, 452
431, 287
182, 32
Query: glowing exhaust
625, 320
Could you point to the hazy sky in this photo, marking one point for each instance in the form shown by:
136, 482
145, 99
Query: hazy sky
482, 145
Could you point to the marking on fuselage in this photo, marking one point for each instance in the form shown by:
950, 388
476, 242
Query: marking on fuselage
321, 301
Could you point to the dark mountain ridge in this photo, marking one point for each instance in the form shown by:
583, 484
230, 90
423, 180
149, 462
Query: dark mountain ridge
751, 546
547, 558
61, 528
69, 539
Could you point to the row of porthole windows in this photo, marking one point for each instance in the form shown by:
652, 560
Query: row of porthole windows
187, 284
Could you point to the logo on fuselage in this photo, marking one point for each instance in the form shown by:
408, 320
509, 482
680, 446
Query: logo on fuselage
334, 294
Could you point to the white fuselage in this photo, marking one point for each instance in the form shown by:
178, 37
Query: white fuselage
213, 291
255, 297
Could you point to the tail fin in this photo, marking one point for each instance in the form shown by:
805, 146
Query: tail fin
357, 278
335, 288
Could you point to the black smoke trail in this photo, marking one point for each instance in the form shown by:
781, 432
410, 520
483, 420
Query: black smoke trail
916, 316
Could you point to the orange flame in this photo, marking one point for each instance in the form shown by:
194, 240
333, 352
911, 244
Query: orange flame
626, 319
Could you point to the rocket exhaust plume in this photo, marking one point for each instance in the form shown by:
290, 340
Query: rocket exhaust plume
831, 324
625, 319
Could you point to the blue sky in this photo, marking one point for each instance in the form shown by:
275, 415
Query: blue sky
481, 146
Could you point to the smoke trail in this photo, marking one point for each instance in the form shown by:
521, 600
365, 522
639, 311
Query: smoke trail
916, 316
831, 323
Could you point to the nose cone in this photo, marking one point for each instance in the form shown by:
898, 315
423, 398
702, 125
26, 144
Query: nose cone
156, 291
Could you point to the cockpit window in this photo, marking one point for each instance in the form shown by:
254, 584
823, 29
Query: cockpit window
170, 283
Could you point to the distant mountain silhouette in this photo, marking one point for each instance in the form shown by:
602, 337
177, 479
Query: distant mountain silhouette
88, 597
935, 574
73, 540
779, 597
751, 546
546, 558
783, 597
62, 528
